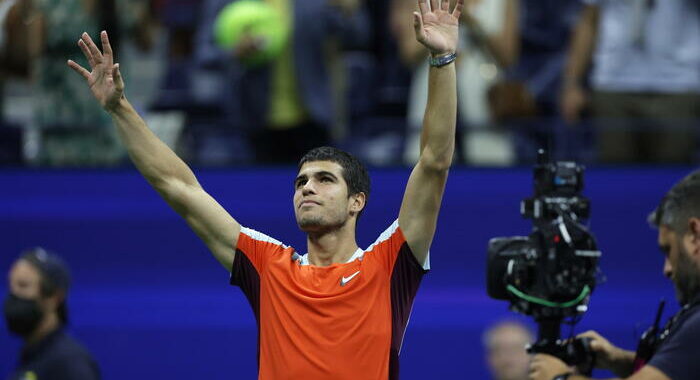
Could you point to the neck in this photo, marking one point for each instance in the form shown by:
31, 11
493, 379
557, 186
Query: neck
48, 325
331, 247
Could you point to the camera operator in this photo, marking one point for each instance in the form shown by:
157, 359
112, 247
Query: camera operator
676, 354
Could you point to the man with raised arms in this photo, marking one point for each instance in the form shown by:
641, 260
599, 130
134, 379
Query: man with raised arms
338, 311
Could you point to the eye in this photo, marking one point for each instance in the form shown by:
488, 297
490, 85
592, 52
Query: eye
299, 183
326, 179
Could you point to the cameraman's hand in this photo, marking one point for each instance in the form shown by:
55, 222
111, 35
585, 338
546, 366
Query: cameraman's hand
609, 356
545, 367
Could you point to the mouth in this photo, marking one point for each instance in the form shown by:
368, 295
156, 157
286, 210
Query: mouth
308, 203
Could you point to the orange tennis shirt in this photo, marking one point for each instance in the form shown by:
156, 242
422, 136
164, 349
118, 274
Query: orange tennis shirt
343, 321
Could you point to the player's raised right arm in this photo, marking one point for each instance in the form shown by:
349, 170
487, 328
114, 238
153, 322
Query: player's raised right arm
161, 167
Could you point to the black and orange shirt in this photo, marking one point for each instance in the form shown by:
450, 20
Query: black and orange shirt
343, 321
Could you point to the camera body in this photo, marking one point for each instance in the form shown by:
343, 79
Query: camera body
551, 273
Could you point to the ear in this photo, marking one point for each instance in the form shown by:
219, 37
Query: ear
357, 202
694, 237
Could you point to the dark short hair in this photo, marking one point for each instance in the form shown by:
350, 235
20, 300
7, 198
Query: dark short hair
681, 203
354, 173
55, 276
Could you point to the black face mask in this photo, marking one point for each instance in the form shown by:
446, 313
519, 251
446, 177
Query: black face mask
22, 315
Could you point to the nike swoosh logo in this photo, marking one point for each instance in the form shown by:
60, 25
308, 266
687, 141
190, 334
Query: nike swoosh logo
345, 280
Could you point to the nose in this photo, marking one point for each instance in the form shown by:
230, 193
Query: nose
308, 188
668, 270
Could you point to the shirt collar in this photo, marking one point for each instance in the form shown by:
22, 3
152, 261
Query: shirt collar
304, 259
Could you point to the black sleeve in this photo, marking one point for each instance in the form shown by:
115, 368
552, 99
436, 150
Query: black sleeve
678, 358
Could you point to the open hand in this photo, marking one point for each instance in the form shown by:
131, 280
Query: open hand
436, 27
105, 80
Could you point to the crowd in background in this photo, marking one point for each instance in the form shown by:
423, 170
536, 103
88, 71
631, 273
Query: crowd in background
599, 81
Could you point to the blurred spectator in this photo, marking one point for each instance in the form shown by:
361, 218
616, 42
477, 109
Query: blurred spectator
72, 130
35, 309
286, 105
545, 29
645, 79
14, 58
505, 347
14, 52
489, 42
377, 94
179, 19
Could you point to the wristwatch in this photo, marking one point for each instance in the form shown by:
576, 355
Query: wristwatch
442, 60
563, 376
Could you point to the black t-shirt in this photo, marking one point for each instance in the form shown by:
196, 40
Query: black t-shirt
678, 356
56, 357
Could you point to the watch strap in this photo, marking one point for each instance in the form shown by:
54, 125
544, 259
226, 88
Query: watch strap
442, 60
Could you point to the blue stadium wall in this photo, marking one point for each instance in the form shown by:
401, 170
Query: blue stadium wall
150, 302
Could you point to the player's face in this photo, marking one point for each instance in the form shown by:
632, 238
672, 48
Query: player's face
678, 264
321, 197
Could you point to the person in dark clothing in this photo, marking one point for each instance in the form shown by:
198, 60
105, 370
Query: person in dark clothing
676, 354
35, 309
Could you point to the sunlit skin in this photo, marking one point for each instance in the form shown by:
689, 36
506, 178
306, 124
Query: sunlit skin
25, 282
325, 212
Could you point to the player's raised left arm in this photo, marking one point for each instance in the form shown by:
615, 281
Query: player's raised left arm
436, 27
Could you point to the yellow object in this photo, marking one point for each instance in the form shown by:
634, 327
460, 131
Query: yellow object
257, 19
286, 107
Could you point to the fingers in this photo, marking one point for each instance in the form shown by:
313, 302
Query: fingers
418, 26
88, 55
423, 5
445, 5
458, 9
596, 339
434, 5
597, 343
589, 334
79, 69
117, 76
535, 368
106, 47
545, 366
97, 56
